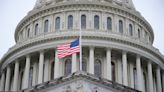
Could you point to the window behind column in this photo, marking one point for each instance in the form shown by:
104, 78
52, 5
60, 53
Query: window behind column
52, 70
84, 64
96, 22
30, 77
113, 71
97, 68
57, 24
145, 81
68, 66
70, 22
135, 78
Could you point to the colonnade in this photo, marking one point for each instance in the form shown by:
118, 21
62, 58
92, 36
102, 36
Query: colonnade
122, 71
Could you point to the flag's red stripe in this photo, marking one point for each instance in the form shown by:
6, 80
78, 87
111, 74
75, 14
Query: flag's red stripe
65, 50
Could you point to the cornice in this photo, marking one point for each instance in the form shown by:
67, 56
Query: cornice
55, 36
80, 76
70, 6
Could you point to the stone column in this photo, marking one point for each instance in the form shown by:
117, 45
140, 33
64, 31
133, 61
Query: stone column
26, 72
124, 61
56, 74
91, 60
131, 75
16, 74
139, 73
74, 63
41, 61
158, 76
108, 64
119, 72
150, 77
34, 79
46, 70
7, 84
2, 81
163, 81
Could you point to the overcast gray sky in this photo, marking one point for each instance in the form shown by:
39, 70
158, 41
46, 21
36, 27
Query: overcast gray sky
12, 11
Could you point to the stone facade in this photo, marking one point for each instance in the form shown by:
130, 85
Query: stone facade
116, 45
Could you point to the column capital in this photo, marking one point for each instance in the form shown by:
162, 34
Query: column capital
41, 51
124, 52
158, 67
108, 48
28, 55
17, 60
91, 47
149, 61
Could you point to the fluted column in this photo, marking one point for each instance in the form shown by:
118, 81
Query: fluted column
158, 76
74, 63
26, 73
7, 84
139, 73
41, 61
108, 64
124, 61
16, 74
56, 74
119, 71
2, 81
163, 81
46, 72
150, 77
91, 60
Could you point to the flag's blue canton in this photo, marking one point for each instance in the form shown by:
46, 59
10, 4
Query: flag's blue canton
74, 43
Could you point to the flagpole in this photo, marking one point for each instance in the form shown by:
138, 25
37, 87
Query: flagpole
80, 50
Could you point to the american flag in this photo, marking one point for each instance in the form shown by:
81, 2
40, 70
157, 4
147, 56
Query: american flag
68, 48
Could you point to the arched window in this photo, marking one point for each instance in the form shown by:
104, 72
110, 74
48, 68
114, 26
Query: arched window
96, 22
121, 26
46, 23
109, 23
139, 33
97, 68
113, 71
57, 23
36, 29
28, 32
68, 66
130, 29
84, 65
83, 22
70, 22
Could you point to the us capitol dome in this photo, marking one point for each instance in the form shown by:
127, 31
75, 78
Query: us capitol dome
117, 50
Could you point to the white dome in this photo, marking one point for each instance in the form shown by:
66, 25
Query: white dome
41, 3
